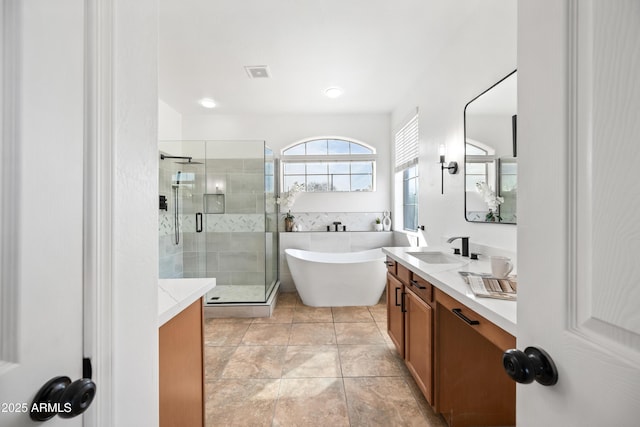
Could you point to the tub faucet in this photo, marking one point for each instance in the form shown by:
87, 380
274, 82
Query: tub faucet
465, 244
336, 224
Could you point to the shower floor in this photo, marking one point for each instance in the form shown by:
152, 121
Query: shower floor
226, 294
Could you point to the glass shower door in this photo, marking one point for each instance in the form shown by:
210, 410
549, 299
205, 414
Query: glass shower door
234, 201
224, 215
270, 222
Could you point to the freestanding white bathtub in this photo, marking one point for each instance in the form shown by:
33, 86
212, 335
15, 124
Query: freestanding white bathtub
327, 279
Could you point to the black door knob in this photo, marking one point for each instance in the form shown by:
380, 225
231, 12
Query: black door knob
60, 396
532, 364
77, 397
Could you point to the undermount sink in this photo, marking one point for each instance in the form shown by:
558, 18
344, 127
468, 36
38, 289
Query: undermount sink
436, 257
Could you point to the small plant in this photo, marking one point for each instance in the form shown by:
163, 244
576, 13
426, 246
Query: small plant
289, 216
378, 221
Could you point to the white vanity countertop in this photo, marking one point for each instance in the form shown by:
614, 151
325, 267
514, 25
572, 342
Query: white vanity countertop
446, 278
174, 295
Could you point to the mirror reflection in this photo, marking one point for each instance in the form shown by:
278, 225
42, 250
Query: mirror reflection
491, 167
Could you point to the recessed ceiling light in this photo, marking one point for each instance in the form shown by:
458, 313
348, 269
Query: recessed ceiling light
333, 92
208, 103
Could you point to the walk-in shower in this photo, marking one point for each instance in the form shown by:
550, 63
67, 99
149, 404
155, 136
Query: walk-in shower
222, 219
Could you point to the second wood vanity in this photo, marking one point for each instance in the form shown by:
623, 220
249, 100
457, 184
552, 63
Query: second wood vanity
453, 352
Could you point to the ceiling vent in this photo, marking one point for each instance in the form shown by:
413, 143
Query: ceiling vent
258, 71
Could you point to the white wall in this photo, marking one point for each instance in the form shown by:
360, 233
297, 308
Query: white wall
135, 218
280, 131
169, 122
483, 53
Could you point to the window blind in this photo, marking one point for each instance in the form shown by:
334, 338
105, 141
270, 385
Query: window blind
407, 145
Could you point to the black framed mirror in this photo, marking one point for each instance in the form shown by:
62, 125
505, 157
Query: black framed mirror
491, 167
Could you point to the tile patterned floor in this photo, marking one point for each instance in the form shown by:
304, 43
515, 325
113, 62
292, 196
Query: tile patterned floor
308, 366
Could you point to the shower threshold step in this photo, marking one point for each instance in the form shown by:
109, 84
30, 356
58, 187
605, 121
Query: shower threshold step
217, 308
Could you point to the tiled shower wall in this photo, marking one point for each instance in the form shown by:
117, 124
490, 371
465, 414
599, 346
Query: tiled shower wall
170, 254
231, 248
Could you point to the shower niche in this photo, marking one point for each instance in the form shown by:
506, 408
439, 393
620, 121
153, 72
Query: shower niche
221, 219
214, 203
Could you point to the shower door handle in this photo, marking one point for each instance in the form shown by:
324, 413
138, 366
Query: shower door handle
199, 222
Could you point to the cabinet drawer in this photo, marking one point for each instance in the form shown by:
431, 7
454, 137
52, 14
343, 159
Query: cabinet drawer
498, 336
391, 265
421, 288
403, 273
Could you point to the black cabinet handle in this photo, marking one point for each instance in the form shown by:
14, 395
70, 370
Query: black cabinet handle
397, 303
417, 285
403, 307
458, 312
389, 263
199, 222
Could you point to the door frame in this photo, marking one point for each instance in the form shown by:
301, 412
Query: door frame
9, 183
99, 147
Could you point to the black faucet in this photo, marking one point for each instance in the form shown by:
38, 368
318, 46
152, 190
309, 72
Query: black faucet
336, 223
465, 244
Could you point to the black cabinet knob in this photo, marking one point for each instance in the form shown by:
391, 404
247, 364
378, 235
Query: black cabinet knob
532, 364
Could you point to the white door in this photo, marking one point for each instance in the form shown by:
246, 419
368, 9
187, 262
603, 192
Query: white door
42, 201
579, 209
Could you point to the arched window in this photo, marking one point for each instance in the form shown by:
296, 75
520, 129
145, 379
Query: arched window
329, 164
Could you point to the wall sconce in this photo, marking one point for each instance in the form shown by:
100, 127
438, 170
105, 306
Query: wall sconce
452, 167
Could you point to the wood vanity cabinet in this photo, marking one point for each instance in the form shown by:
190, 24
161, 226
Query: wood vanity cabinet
454, 354
391, 265
418, 348
471, 387
410, 324
182, 368
395, 312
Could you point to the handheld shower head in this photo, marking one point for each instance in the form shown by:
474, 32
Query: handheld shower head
177, 184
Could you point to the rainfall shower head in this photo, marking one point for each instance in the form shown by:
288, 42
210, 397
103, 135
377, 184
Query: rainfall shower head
189, 160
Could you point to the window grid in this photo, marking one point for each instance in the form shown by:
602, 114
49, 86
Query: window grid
406, 144
406, 162
410, 198
329, 165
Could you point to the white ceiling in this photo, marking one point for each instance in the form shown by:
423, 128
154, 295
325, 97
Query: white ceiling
375, 50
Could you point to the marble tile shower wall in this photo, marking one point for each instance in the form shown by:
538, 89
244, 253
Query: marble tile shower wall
318, 221
240, 180
170, 253
233, 258
231, 248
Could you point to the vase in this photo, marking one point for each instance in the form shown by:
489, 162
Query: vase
288, 224
386, 221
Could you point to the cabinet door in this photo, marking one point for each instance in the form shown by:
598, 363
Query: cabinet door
419, 343
471, 386
181, 369
395, 315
